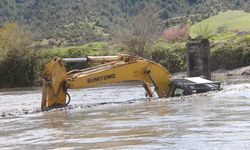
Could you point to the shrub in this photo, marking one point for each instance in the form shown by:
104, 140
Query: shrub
171, 56
45, 55
17, 59
169, 60
203, 30
230, 56
179, 33
222, 29
17, 68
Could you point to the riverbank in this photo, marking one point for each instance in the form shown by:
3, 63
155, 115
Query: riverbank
223, 74
23, 68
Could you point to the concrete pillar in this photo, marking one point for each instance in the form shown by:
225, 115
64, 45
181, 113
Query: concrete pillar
198, 58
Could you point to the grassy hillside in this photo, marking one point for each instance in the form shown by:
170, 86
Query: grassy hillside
82, 21
225, 24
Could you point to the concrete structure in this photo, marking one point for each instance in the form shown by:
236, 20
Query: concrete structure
198, 58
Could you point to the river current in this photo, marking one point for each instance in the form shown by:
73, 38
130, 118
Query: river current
120, 117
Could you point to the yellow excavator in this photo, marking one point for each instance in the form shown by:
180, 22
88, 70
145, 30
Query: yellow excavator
112, 69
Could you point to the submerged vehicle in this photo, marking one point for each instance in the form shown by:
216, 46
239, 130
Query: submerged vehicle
113, 69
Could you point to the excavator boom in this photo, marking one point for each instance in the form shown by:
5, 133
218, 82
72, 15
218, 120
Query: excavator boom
111, 70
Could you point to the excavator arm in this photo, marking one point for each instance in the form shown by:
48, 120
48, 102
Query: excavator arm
112, 69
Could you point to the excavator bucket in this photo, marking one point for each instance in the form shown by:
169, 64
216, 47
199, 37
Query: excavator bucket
54, 88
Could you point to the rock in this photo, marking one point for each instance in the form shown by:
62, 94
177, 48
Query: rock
245, 73
3, 115
229, 74
71, 107
241, 33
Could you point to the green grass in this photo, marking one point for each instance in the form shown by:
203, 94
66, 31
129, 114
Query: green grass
97, 48
177, 47
230, 20
228, 36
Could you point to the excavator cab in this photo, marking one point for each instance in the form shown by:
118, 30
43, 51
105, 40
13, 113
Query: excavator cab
192, 85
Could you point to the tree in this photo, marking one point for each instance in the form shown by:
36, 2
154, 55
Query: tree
142, 30
17, 59
13, 37
179, 33
191, 2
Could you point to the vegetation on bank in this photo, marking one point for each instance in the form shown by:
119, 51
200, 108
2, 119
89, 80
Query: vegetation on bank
16, 57
231, 54
223, 25
21, 64
17, 70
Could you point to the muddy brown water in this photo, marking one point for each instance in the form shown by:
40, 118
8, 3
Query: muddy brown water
119, 117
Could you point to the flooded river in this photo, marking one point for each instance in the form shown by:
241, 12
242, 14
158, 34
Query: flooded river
119, 117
